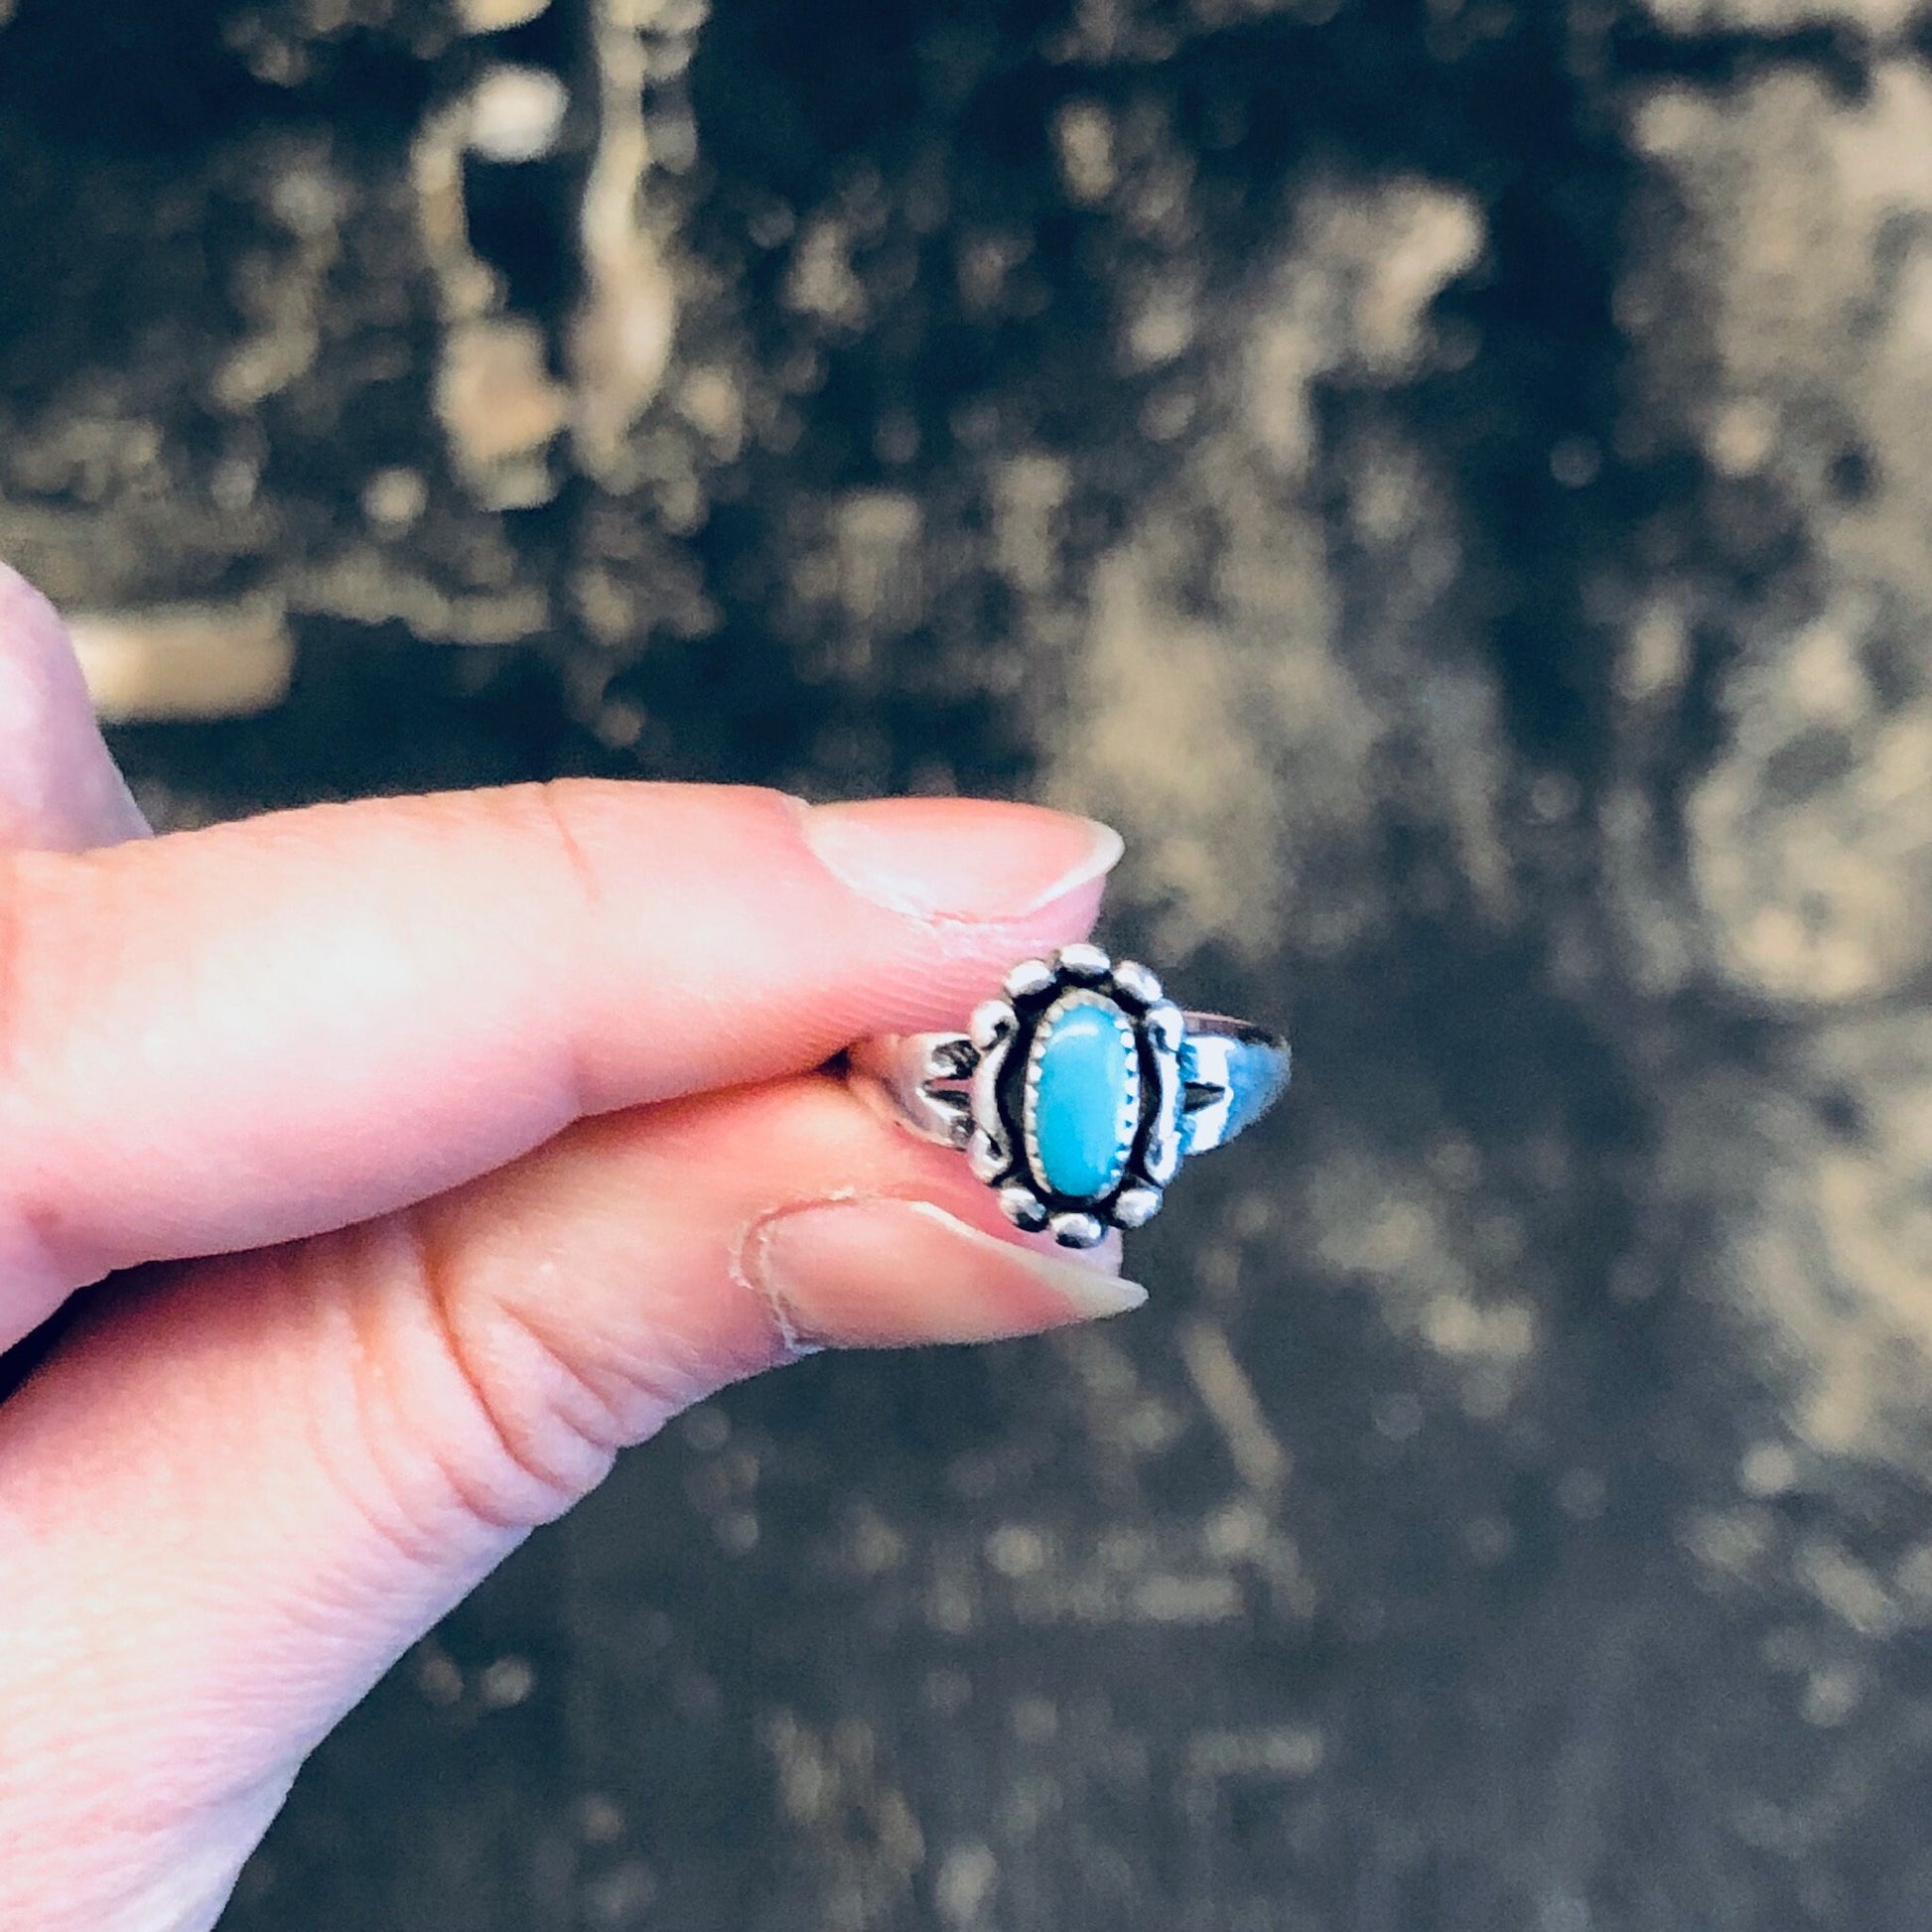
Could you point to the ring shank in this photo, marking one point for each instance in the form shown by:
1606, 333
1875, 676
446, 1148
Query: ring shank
900, 1071
1246, 1066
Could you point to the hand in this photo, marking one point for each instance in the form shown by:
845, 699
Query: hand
436, 1148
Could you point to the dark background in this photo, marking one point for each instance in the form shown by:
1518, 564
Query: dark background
1449, 481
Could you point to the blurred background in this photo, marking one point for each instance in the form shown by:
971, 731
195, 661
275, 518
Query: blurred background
1449, 480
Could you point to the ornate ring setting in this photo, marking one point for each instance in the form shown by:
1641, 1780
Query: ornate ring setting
1079, 1092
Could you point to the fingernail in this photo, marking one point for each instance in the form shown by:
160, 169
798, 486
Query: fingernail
884, 1274
960, 858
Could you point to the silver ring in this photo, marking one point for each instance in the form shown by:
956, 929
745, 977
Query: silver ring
1079, 1092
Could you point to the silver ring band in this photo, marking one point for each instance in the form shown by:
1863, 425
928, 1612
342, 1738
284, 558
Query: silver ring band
1080, 1091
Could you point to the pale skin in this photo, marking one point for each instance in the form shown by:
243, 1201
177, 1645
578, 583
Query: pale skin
403, 1162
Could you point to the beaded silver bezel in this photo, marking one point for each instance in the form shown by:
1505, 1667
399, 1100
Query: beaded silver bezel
1005, 1152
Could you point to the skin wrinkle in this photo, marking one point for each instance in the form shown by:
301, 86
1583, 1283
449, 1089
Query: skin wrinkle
554, 799
33, 1243
603, 1444
440, 1283
408, 1539
542, 812
432, 1282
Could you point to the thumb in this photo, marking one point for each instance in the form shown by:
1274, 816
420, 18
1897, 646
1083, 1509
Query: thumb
240, 1489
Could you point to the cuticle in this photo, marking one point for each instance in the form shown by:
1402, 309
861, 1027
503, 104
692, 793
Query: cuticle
748, 1273
755, 1279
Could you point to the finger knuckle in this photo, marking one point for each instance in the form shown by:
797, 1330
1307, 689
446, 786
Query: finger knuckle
529, 1419
43, 977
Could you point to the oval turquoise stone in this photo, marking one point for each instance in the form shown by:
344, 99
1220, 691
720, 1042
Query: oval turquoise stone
1084, 1096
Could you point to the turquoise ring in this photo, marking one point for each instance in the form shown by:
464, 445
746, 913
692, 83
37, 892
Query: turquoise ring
1079, 1093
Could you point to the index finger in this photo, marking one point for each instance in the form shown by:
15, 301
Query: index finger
231, 1038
